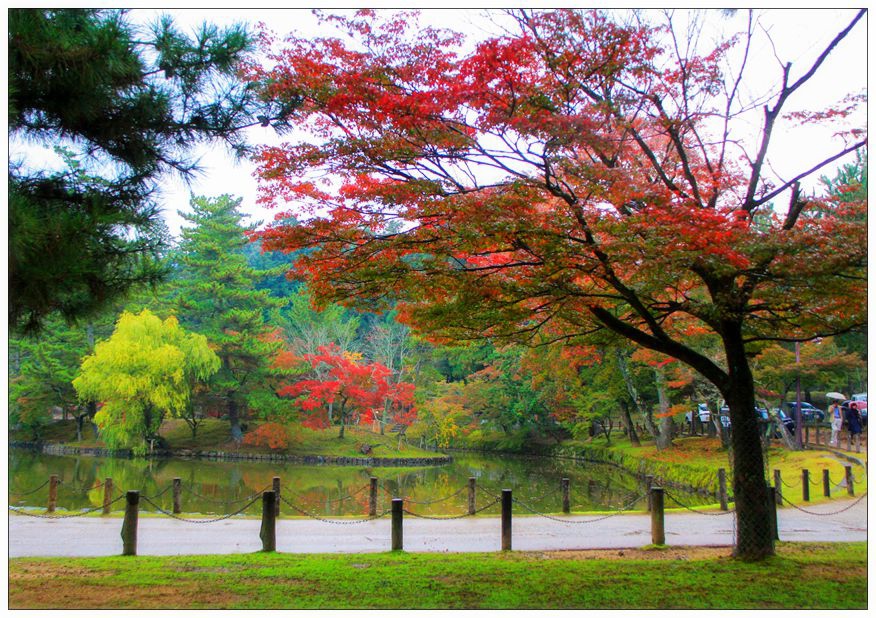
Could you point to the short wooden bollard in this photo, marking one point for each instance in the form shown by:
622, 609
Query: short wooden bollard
805, 483
825, 478
107, 495
774, 518
506, 520
53, 493
850, 481
567, 507
276, 485
177, 496
397, 515
472, 484
372, 497
818, 434
129, 524
806, 434
777, 481
722, 488
658, 530
649, 483
268, 531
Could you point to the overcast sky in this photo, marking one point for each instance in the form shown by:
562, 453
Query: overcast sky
799, 36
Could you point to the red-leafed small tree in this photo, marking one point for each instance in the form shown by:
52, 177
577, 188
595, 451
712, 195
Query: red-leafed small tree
353, 389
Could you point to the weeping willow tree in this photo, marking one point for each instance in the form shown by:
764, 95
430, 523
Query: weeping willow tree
145, 371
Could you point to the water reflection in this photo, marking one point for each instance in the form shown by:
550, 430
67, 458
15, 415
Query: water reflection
222, 487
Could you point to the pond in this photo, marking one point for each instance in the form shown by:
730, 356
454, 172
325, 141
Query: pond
224, 487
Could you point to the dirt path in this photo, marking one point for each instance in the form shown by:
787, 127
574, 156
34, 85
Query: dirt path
29, 536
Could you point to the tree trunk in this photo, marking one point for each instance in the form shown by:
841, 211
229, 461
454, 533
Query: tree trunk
634, 393
664, 436
234, 420
754, 532
627, 420
342, 415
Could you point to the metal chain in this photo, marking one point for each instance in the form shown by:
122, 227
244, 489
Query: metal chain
483, 508
787, 484
214, 501
333, 521
159, 494
843, 510
453, 495
200, 521
693, 510
585, 521
536, 499
80, 514
27, 493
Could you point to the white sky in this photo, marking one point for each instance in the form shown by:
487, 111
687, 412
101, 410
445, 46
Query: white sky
799, 36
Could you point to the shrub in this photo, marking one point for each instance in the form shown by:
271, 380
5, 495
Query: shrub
272, 435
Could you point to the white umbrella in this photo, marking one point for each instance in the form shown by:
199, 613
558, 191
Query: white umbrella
835, 395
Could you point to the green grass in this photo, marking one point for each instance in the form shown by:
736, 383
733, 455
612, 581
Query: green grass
811, 576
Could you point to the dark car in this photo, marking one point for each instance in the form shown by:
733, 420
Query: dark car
811, 414
786, 420
724, 414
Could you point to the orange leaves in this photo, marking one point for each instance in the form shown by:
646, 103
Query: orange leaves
272, 435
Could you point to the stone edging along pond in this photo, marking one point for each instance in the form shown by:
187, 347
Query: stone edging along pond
60, 449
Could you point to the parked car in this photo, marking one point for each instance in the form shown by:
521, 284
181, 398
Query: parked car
703, 412
810, 413
786, 420
724, 413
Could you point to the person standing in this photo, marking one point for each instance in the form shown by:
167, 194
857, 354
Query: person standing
855, 425
836, 422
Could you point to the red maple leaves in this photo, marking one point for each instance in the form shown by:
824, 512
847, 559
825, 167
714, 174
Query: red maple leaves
350, 392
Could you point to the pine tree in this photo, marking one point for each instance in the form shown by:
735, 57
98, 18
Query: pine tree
217, 296
130, 106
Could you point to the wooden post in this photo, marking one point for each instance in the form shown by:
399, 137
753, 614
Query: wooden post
566, 502
397, 514
107, 495
53, 493
177, 496
818, 434
850, 481
471, 495
658, 531
774, 518
805, 483
825, 477
268, 532
129, 524
372, 497
806, 434
722, 488
506, 520
276, 486
777, 480
649, 483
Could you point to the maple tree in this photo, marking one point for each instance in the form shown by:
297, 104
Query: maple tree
572, 175
352, 388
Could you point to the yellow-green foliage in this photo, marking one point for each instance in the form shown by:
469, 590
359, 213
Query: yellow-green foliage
145, 370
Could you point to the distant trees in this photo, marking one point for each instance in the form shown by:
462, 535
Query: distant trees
216, 295
147, 369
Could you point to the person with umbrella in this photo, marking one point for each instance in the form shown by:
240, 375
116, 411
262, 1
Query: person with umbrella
835, 413
855, 425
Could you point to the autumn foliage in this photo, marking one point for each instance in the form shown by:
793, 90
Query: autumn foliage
351, 391
272, 435
572, 175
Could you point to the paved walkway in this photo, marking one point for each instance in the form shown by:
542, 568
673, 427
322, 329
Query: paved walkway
161, 536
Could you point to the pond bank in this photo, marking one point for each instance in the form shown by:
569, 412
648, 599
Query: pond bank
217, 455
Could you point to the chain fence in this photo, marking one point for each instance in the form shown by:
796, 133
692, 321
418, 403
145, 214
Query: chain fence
82, 513
200, 521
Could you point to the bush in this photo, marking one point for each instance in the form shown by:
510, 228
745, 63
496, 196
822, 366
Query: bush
272, 435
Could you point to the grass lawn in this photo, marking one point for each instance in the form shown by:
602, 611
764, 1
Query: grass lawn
811, 576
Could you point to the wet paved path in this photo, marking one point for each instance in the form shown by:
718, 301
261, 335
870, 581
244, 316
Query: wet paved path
30, 536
